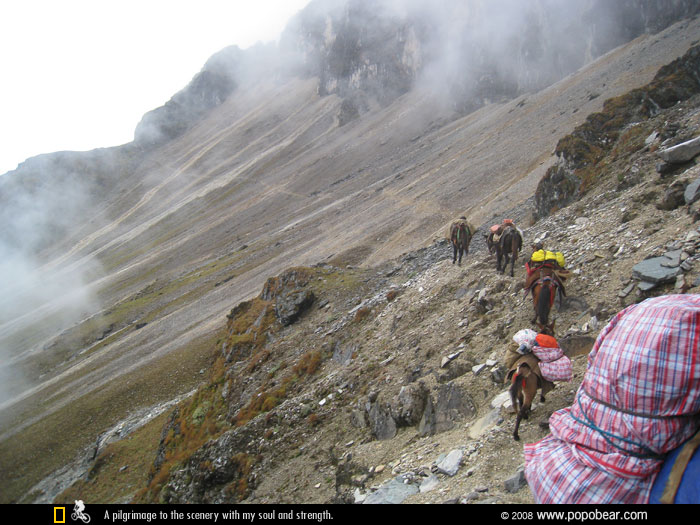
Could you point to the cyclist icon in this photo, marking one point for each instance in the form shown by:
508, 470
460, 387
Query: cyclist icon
78, 513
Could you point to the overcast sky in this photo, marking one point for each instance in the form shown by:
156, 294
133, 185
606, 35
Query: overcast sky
80, 74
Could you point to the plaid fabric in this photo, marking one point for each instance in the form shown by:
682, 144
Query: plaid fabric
547, 355
557, 370
554, 365
641, 384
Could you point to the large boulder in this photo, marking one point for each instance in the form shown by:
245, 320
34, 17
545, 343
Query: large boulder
409, 405
291, 304
380, 420
654, 270
289, 294
681, 153
673, 196
453, 404
692, 192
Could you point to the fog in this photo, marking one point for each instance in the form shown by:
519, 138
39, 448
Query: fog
39, 208
463, 53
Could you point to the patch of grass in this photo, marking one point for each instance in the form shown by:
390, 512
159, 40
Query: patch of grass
238, 489
592, 148
361, 314
308, 364
630, 141
391, 295
120, 470
265, 400
50, 442
199, 419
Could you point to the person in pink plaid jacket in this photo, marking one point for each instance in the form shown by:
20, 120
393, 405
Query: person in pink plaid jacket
639, 400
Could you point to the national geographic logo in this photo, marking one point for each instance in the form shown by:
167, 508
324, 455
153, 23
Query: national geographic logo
59, 514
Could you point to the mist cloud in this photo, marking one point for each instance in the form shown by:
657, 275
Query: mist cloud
42, 203
465, 52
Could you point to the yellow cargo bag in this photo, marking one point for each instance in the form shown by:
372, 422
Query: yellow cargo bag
549, 256
560, 259
538, 256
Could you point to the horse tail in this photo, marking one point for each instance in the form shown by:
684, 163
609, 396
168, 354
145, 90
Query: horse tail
543, 302
514, 390
504, 242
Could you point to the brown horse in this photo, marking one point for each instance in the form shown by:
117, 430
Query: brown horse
524, 385
490, 243
508, 247
543, 293
460, 237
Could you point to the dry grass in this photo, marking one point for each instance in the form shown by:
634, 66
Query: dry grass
51, 442
120, 470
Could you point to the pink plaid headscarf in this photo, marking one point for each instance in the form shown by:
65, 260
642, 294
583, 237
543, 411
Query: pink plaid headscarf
640, 398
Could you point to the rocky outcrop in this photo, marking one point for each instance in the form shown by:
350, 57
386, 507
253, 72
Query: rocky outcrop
288, 293
291, 304
220, 471
372, 52
579, 153
452, 404
206, 91
219, 77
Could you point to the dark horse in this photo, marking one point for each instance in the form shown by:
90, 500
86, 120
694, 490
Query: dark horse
543, 292
508, 246
460, 237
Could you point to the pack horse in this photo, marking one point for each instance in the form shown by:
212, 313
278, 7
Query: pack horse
461, 234
509, 245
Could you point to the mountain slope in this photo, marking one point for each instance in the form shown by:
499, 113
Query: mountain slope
391, 369
267, 181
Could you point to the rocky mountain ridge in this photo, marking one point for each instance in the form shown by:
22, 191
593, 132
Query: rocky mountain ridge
386, 384
368, 53
188, 232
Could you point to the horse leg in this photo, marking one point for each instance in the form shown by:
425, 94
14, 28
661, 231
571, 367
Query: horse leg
459, 263
523, 413
512, 265
516, 398
516, 437
542, 304
454, 253
535, 300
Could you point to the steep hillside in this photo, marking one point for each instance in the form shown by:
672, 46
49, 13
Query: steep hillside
385, 384
119, 308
